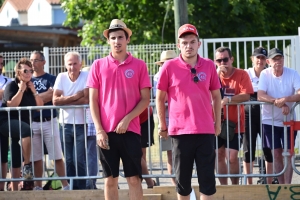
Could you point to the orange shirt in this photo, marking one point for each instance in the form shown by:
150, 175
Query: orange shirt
238, 83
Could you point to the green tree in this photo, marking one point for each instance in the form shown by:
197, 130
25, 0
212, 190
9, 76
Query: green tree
213, 18
144, 17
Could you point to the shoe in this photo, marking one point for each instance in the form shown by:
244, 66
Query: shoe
66, 187
37, 188
27, 172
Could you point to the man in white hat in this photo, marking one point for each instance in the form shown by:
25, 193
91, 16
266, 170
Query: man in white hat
193, 89
119, 87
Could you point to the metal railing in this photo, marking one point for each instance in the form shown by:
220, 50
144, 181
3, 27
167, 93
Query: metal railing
156, 160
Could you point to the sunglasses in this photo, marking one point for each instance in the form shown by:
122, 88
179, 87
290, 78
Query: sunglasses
26, 71
225, 60
194, 72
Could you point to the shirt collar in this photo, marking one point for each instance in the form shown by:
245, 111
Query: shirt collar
128, 59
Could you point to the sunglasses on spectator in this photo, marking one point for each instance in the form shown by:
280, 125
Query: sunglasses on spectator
194, 72
225, 60
26, 71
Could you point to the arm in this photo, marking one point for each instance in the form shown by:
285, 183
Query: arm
161, 112
16, 99
1, 93
94, 108
236, 98
81, 97
262, 96
292, 98
139, 108
46, 96
216, 100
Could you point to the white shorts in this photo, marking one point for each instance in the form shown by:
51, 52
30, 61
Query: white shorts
49, 140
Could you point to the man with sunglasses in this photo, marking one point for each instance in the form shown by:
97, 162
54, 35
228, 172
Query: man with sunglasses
237, 88
280, 86
192, 86
43, 83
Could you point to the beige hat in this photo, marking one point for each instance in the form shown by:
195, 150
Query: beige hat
166, 55
114, 24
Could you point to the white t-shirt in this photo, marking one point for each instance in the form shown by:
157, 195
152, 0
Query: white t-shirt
285, 85
63, 82
254, 79
3, 82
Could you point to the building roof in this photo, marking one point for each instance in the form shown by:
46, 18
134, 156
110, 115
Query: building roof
19, 5
23, 5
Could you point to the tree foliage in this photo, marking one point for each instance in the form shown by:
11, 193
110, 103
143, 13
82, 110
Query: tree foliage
213, 18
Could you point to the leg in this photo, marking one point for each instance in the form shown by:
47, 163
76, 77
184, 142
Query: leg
15, 174
234, 165
38, 172
268, 163
68, 141
288, 175
169, 165
135, 188
60, 170
278, 159
92, 160
145, 171
81, 157
248, 170
53, 145
111, 188
222, 166
3, 175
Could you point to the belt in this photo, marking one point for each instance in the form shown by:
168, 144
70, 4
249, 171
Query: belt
44, 119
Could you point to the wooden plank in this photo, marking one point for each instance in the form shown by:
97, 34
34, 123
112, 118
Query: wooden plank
238, 192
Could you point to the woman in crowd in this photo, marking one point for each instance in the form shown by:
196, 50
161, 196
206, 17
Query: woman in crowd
252, 116
19, 93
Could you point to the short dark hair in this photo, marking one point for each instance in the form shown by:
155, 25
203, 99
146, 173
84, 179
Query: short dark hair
40, 53
223, 49
117, 29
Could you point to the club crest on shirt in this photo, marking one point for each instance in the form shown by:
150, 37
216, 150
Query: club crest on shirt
129, 73
201, 76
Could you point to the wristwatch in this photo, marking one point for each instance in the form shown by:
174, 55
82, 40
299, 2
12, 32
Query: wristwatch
36, 93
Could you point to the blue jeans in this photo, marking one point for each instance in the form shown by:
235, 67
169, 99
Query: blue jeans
70, 153
92, 161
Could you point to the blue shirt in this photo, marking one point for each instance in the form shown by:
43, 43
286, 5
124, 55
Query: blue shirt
42, 84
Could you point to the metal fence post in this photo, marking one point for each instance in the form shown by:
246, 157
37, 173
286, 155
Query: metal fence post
46, 54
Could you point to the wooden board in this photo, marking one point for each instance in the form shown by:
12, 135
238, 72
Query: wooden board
248, 192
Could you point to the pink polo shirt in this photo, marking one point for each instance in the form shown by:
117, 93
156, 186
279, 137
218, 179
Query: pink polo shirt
119, 86
190, 103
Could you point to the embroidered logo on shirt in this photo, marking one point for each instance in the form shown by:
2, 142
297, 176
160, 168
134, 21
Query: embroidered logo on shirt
129, 73
202, 76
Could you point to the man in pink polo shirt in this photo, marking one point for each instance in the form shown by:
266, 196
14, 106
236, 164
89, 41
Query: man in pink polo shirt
194, 100
119, 88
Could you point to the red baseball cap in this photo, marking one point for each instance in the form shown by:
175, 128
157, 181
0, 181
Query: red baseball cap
187, 28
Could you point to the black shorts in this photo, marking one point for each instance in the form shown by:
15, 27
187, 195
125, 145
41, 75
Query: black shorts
235, 143
190, 148
145, 132
250, 147
125, 146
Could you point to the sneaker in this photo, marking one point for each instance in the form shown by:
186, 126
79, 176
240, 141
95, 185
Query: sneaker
66, 187
37, 188
27, 172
